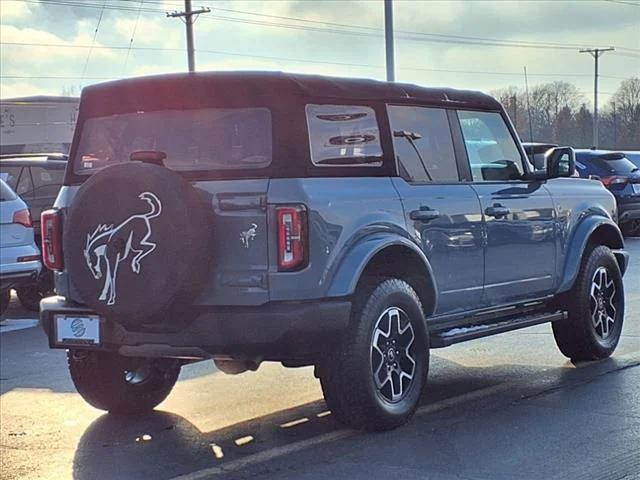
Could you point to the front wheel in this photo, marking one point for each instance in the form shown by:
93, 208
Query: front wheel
596, 309
374, 379
118, 384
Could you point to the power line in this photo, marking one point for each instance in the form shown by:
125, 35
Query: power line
133, 34
95, 34
301, 60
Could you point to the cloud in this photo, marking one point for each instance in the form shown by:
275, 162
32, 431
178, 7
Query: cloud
601, 23
12, 10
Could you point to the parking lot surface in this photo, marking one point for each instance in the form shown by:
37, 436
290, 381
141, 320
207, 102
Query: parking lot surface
509, 406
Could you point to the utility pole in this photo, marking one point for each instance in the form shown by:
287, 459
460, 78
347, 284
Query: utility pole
596, 53
388, 40
188, 21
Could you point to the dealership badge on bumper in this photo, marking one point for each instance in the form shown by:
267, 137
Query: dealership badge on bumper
77, 330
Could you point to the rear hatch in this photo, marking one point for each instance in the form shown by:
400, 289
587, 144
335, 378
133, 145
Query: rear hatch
225, 153
620, 175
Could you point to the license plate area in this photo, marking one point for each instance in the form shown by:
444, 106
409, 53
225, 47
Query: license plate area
76, 330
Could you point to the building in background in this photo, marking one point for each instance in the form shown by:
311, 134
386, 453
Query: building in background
37, 124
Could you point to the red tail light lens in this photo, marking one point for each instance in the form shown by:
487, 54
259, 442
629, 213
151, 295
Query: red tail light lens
614, 180
23, 217
292, 237
51, 230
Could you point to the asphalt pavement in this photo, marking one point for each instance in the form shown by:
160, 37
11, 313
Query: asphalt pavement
505, 407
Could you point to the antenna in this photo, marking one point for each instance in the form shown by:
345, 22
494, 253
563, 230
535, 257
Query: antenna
526, 85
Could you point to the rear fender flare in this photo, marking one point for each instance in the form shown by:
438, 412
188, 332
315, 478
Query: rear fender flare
351, 267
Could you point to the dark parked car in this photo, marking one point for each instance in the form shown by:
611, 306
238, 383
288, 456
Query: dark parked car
621, 176
348, 224
37, 179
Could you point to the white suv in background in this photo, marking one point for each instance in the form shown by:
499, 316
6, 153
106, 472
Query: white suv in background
19, 255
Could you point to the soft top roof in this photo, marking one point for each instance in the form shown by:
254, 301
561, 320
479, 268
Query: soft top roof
209, 88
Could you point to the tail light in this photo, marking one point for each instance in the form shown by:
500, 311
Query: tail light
51, 230
292, 237
614, 181
23, 217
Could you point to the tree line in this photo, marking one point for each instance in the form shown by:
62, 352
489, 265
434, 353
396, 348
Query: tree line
558, 113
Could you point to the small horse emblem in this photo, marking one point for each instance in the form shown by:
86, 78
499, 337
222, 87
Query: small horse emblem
111, 245
248, 235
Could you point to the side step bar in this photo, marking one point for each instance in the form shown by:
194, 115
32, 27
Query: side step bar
444, 338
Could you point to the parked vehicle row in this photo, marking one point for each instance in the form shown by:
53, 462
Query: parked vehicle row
37, 179
19, 254
619, 172
351, 225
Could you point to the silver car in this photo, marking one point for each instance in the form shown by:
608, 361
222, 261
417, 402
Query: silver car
19, 255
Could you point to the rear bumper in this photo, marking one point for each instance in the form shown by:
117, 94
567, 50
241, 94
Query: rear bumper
275, 331
16, 274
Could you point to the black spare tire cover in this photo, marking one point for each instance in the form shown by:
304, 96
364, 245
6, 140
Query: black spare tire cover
137, 242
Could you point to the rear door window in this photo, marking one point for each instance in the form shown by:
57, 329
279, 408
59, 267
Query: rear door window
198, 139
491, 149
423, 144
343, 135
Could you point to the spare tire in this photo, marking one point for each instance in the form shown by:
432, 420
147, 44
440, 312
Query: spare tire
137, 242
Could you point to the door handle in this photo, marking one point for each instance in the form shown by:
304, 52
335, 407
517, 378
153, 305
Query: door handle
425, 214
497, 211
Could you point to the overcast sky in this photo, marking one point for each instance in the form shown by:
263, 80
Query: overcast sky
338, 38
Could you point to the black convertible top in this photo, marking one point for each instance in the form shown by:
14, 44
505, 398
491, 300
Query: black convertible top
207, 88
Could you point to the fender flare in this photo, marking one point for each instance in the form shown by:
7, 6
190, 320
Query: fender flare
578, 244
349, 268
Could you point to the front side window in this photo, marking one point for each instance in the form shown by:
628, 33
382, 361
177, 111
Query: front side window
492, 151
422, 144
197, 139
343, 135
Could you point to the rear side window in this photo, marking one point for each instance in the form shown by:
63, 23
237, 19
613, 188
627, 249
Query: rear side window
492, 151
198, 139
6, 194
343, 135
423, 144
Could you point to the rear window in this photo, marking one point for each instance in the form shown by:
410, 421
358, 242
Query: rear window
198, 139
618, 165
6, 194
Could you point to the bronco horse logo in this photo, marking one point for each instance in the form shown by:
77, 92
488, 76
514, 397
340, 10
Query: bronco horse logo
111, 245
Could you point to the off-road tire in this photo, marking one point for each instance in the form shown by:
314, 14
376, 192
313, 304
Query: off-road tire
30, 297
347, 376
577, 337
99, 378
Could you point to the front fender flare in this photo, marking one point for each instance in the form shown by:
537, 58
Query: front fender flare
578, 244
349, 269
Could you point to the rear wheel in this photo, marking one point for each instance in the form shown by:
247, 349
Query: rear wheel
596, 309
375, 377
118, 384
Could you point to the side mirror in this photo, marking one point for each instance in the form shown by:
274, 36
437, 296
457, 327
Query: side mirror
561, 162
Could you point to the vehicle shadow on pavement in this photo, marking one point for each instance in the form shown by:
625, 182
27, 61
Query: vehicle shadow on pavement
162, 445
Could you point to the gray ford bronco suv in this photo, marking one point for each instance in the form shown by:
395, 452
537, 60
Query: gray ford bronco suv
352, 225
